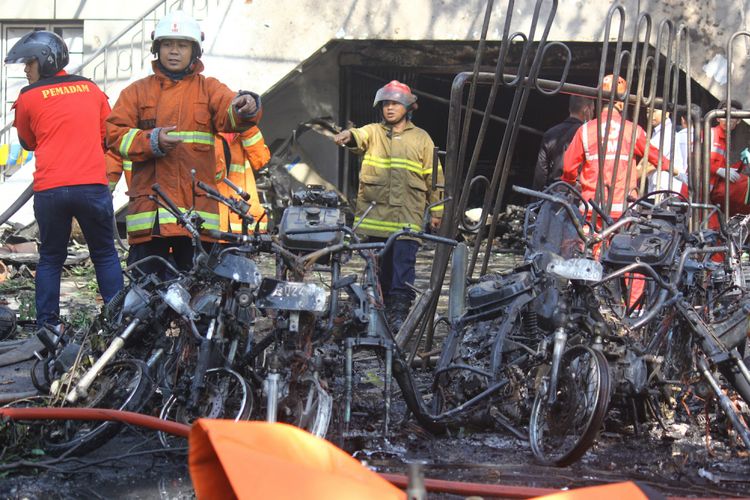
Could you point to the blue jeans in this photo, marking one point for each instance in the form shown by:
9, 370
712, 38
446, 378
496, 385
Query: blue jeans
396, 271
54, 209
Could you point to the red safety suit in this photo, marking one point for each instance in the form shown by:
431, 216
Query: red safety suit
739, 192
248, 153
581, 160
199, 107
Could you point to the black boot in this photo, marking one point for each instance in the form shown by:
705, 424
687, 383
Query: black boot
397, 309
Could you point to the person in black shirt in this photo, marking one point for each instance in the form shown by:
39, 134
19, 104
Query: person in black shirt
549, 163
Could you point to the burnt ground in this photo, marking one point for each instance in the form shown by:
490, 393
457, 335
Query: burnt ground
676, 461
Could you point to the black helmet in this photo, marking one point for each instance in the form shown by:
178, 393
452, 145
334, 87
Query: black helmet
44, 46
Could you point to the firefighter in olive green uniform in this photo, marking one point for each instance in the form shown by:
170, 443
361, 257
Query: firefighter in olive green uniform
396, 174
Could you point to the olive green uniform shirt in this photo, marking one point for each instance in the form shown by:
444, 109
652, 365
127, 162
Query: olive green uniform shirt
396, 174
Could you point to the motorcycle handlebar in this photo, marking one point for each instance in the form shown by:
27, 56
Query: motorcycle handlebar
209, 189
167, 200
240, 192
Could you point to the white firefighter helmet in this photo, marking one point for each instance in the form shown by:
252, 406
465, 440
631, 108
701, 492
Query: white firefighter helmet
177, 25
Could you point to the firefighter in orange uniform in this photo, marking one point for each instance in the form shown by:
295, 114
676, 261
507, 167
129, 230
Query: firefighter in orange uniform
248, 153
581, 160
165, 125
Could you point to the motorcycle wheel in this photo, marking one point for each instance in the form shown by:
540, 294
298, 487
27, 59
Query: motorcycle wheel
562, 431
122, 385
308, 407
227, 395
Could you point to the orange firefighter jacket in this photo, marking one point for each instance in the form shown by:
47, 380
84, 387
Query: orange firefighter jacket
739, 192
581, 160
198, 107
116, 167
248, 153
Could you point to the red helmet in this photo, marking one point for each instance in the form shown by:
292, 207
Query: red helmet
622, 85
398, 92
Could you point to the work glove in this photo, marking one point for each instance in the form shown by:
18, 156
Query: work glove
245, 105
734, 175
745, 156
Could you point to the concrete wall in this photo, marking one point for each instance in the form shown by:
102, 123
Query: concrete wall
276, 35
266, 39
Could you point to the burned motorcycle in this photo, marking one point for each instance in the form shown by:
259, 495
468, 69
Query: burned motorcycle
294, 358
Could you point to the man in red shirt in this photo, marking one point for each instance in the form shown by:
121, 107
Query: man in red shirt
61, 118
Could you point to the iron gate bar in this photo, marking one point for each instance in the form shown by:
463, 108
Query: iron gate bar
526, 80
730, 55
508, 143
520, 98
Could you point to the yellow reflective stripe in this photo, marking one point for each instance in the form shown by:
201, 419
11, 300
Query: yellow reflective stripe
126, 142
237, 168
395, 159
167, 218
246, 143
219, 176
384, 229
127, 165
232, 119
382, 225
194, 136
210, 221
112, 185
237, 226
438, 208
412, 166
140, 221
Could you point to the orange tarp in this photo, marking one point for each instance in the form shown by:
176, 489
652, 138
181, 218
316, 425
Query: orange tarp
276, 461
615, 491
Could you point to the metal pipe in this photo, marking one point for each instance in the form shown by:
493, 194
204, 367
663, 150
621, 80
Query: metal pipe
82, 387
348, 383
457, 289
406, 332
387, 387
726, 404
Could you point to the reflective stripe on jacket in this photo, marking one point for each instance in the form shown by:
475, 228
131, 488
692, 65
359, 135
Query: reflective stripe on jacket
396, 174
248, 153
198, 107
581, 160
116, 167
